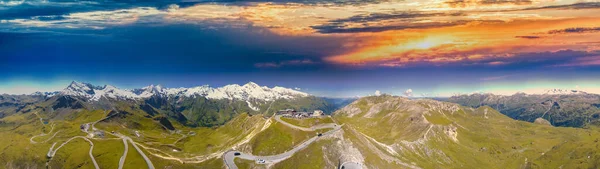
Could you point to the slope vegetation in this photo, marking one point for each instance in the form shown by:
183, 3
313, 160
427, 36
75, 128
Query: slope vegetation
395, 132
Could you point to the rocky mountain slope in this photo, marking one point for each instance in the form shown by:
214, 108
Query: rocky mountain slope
10, 104
195, 106
569, 108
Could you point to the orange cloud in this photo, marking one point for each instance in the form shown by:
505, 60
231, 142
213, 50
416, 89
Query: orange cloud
400, 33
474, 41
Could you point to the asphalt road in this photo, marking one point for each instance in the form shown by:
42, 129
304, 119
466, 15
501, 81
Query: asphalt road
229, 156
43, 134
122, 160
148, 162
52, 151
351, 165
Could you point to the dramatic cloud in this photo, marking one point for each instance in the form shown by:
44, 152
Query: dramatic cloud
528, 37
467, 3
349, 34
372, 22
94, 20
372, 17
574, 6
583, 61
337, 28
575, 30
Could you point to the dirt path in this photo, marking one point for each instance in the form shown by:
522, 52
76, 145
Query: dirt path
549, 108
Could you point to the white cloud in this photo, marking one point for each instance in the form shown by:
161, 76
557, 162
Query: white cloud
377, 93
173, 8
11, 3
93, 20
408, 93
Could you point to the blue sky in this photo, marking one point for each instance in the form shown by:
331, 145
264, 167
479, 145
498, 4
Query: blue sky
327, 48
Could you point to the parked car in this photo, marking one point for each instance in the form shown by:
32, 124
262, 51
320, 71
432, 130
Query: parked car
320, 134
260, 161
236, 154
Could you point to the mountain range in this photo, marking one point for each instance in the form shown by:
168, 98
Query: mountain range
247, 92
195, 106
568, 108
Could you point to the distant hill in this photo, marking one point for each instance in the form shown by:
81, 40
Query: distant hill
559, 107
396, 132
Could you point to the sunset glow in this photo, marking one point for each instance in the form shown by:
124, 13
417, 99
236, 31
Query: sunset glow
496, 38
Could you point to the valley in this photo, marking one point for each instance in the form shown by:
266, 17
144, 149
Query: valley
64, 131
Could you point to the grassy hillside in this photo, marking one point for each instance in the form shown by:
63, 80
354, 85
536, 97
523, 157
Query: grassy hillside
394, 132
149, 132
202, 112
308, 122
378, 132
278, 138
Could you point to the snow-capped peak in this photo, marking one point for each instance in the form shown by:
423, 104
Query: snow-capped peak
555, 91
562, 92
248, 92
251, 85
79, 89
92, 92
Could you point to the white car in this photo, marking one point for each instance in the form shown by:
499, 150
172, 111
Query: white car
260, 161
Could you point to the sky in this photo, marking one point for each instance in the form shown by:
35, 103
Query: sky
335, 48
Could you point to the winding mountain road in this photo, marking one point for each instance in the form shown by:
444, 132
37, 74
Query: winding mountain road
43, 134
52, 151
148, 162
122, 160
125, 139
230, 156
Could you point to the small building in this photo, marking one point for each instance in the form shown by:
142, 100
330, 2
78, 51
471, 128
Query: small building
318, 113
295, 114
287, 112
